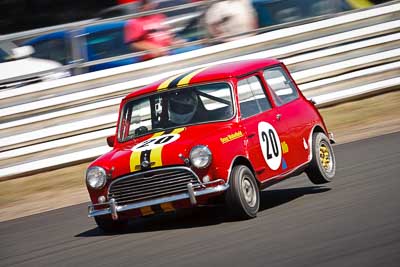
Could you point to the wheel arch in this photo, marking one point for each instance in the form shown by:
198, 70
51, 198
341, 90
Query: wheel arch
316, 129
242, 160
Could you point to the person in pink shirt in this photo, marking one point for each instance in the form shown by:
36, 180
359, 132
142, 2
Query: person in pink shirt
149, 33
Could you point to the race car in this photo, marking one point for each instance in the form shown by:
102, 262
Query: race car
215, 135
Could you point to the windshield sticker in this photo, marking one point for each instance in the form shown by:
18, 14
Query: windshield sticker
231, 137
269, 141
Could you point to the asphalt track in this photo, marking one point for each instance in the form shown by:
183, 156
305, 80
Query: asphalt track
354, 221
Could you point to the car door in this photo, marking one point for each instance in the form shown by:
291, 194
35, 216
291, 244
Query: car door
263, 129
291, 111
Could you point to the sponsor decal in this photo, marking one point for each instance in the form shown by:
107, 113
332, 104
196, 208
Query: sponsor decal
284, 165
150, 210
285, 147
269, 141
148, 153
285, 150
231, 137
179, 80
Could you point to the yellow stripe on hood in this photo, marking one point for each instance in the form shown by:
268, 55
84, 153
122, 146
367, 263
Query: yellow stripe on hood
156, 153
186, 80
135, 156
179, 80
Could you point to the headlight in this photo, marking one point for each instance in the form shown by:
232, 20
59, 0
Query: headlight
96, 177
200, 156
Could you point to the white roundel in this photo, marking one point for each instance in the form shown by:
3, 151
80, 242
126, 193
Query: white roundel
155, 142
270, 145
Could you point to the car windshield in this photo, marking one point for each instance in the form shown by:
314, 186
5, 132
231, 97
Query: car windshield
173, 108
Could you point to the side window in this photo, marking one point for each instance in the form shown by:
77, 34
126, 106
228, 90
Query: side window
104, 44
252, 98
53, 49
282, 87
136, 119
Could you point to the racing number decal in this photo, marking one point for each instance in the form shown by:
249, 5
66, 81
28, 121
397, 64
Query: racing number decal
274, 145
151, 149
270, 145
155, 142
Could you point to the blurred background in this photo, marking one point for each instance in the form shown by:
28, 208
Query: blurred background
92, 35
22, 15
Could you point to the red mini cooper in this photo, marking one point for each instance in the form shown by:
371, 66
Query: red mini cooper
218, 133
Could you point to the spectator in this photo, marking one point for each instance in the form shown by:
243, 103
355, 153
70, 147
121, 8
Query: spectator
149, 33
228, 18
121, 2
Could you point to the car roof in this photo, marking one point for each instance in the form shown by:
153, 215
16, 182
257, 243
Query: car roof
208, 74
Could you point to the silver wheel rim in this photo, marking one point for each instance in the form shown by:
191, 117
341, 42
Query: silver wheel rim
249, 191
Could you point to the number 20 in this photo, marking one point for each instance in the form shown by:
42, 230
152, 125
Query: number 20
272, 139
156, 141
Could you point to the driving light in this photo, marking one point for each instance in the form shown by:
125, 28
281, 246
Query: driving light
96, 177
206, 179
200, 156
101, 199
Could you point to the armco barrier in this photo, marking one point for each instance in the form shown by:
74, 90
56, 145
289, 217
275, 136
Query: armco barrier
347, 64
281, 52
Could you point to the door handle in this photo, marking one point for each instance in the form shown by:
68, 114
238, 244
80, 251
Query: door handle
278, 116
251, 135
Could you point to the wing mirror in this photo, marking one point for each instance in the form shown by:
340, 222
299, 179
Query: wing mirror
22, 52
111, 140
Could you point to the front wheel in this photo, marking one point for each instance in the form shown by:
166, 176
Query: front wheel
243, 196
108, 225
322, 167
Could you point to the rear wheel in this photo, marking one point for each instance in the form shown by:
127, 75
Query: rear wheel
322, 167
243, 195
108, 225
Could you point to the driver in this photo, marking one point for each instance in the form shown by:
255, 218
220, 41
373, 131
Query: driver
182, 106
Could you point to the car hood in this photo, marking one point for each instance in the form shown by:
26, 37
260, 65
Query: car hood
160, 149
26, 66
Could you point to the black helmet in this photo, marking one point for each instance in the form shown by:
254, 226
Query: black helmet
182, 106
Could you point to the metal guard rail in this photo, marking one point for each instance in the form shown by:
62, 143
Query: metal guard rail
81, 65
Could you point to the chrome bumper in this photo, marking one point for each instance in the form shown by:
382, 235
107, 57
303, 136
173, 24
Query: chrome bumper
332, 138
113, 207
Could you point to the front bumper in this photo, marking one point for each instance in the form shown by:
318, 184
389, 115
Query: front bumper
113, 208
332, 138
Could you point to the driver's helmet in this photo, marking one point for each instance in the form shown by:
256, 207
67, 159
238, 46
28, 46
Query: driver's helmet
182, 106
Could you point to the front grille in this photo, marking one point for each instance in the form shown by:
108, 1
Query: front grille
152, 184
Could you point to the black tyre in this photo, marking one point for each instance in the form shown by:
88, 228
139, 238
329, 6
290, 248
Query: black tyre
108, 225
322, 167
243, 196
